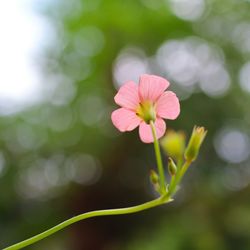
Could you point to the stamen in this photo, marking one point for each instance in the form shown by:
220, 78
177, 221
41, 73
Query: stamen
146, 111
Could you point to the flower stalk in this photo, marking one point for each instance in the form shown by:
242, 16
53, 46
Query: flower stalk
162, 180
158, 180
119, 211
145, 105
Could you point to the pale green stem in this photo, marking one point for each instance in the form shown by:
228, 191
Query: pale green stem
178, 177
164, 198
173, 178
159, 201
183, 170
158, 159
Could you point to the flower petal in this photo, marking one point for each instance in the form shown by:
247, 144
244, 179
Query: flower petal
151, 87
145, 131
168, 106
127, 96
125, 120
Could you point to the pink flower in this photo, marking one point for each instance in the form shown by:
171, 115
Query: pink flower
145, 102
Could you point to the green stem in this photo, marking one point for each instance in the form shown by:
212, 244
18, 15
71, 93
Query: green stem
183, 170
164, 198
178, 177
158, 159
159, 201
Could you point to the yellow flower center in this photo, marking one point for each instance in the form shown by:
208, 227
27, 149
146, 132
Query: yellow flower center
146, 111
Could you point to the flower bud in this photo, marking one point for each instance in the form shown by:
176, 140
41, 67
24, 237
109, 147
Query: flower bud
154, 178
195, 142
172, 169
173, 143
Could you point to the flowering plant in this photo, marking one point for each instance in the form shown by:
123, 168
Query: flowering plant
146, 105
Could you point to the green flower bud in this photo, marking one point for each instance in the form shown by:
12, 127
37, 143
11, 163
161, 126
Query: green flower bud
196, 139
172, 169
173, 143
154, 178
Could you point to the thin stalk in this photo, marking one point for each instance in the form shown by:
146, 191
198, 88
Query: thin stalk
183, 170
119, 211
164, 198
178, 177
158, 159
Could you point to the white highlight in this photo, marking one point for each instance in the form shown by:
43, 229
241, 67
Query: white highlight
21, 34
232, 145
189, 10
191, 62
129, 65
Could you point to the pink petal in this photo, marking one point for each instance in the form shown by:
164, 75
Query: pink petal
168, 106
151, 87
127, 96
145, 131
125, 120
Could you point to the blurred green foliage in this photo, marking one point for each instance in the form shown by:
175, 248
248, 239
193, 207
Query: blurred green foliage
63, 157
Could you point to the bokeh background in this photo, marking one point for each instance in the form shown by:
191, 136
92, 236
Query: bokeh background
61, 63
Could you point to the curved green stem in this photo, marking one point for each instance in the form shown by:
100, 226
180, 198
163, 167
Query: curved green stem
161, 200
164, 198
158, 159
